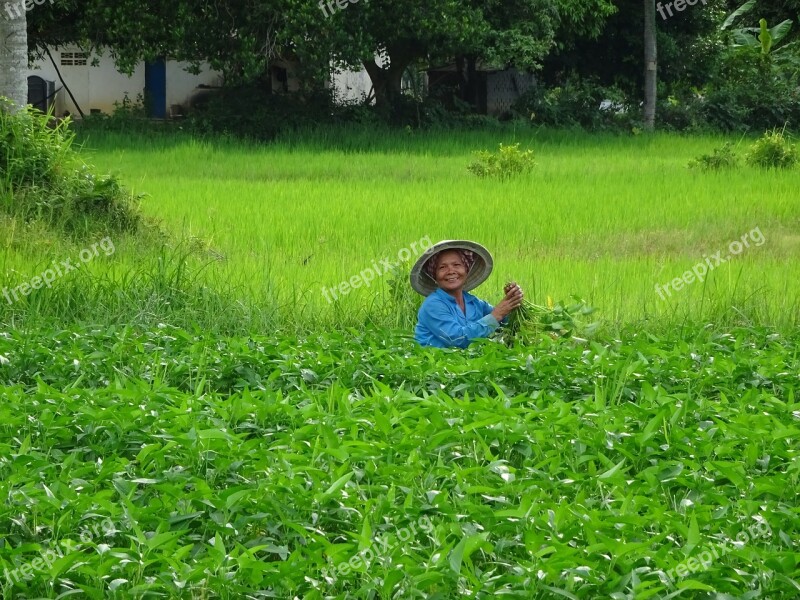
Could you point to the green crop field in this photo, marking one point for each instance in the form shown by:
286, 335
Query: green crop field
188, 416
604, 218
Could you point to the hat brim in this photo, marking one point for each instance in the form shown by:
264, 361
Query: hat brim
480, 271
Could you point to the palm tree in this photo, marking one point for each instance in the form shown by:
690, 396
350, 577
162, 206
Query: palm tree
650, 64
14, 55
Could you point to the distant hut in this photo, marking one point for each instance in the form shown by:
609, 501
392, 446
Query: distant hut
491, 90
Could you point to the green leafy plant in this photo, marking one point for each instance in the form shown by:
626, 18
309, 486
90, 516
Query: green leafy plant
507, 162
762, 37
133, 444
44, 178
530, 321
132, 109
772, 151
754, 86
578, 102
721, 158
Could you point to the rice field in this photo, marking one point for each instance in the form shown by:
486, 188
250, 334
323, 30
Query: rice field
601, 217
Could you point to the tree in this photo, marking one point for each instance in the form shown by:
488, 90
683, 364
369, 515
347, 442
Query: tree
650, 64
502, 32
521, 33
687, 50
14, 58
241, 38
237, 38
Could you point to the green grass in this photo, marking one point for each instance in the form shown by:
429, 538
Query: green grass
602, 217
169, 464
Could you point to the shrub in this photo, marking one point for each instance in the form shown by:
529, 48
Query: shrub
720, 158
680, 111
750, 92
772, 151
44, 178
253, 112
578, 102
507, 162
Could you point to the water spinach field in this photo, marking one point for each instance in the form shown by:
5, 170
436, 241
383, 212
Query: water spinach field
203, 410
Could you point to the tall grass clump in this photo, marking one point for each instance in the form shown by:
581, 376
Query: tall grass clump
773, 151
506, 163
173, 284
43, 178
723, 157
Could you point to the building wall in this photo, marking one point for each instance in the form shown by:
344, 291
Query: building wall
504, 88
181, 86
351, 86
98, 88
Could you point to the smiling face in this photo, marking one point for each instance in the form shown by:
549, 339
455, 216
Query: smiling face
451, 272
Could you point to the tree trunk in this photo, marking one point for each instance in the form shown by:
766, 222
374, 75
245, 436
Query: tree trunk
387, 81
650, 64
14, 56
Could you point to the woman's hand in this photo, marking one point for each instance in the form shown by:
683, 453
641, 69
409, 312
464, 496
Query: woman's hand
513, 299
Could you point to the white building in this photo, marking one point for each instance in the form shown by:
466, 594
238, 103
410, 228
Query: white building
97, 88
173, 90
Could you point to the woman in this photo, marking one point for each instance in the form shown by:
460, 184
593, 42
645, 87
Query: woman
450, 317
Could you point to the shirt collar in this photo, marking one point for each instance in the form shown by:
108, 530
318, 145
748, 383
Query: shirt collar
443, 294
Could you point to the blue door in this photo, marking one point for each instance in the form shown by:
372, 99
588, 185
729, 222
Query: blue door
155, 88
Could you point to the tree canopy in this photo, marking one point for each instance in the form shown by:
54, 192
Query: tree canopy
384, 36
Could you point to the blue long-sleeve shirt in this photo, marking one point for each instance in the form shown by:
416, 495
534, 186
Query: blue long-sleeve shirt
442, 324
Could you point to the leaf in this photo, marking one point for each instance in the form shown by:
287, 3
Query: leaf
671, 472
560, 592
612, 471
234, 498
693, 536
780, 31
162, 538
213, 434
116, 583
740, 38
744, 8
765, 37
365, 539
483, 423
692, 584
181, 518
25, 446
465, 548
336, 486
